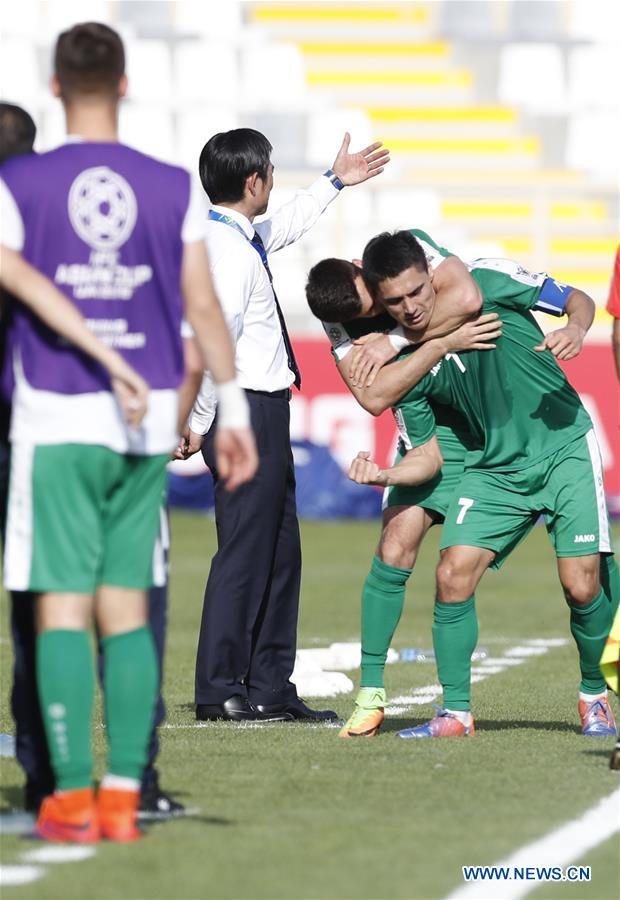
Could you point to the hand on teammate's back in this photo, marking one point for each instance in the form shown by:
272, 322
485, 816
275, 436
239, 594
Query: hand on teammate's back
477, 334
564, 343
236, 456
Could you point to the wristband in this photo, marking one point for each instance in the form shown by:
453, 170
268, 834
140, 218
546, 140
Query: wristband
331, 176
233, 410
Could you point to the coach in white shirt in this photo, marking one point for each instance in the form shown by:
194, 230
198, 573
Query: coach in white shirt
246, 650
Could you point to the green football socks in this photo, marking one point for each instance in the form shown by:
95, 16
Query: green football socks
66, 683
383, 598
610, 581
455, 634
130, 689
590, 626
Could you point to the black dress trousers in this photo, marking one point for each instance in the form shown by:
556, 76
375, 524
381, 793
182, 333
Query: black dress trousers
248, 631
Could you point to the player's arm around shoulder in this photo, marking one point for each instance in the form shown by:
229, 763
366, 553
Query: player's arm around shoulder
416, 467
458, 297
389, 383
566, 343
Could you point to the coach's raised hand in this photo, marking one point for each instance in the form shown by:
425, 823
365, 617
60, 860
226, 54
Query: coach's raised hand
354, 168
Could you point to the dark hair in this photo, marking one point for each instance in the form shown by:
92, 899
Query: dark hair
331, 292
228, 158
387, 255
17, 131
89, 59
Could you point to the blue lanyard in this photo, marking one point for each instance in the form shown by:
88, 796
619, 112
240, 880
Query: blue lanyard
256, 242
227, 220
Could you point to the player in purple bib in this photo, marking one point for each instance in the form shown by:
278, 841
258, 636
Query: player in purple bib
121, 235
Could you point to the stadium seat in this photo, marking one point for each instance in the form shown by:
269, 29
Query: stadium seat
593, 75
148, 128
326, 129
466, 18
398, 207
196, 126
190, 17
594, 129
149, 70
55, 17
272, 75
537, 20
532, 76
23, 21
20, 79
589, 23
198, 67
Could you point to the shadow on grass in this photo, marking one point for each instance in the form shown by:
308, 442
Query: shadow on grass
12, 798
12, 804
390, 725
189, 817
600, 751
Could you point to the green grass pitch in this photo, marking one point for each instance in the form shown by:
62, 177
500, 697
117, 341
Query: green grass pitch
290, 811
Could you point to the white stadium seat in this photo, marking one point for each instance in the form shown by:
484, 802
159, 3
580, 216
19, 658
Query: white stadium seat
532, 76
23, 20
593, 77
149, 70
326, 130
273, 76
149, 129
57, 15
205, 70
20, 80
195, 127
198, 17
594, 129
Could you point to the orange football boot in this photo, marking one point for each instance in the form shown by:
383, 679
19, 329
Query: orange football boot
69, 817
118, 813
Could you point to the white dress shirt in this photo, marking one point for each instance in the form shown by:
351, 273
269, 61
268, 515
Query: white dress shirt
246, 295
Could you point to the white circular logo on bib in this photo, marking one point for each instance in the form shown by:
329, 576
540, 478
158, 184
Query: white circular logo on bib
102, 208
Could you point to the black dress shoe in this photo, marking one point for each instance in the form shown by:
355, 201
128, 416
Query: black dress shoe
158, 806
298, 710
239, 709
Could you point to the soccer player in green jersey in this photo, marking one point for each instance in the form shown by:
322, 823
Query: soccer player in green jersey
536, 453
338, 296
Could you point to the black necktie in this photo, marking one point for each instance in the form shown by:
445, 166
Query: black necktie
257, 243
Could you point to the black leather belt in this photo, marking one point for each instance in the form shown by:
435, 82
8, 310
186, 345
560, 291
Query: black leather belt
284, 394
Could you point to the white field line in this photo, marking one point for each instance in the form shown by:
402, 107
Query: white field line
62, 854
560, 847
50, 855
15, 875
513, 656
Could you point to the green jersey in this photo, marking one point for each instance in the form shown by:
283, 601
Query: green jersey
517, 402
342, 334
452, 429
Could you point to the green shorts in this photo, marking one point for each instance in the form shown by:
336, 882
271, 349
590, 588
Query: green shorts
434, 495
80, 516
496, 510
